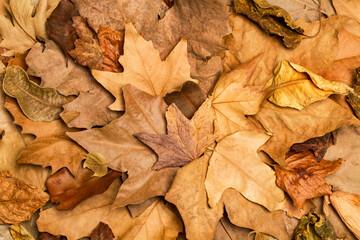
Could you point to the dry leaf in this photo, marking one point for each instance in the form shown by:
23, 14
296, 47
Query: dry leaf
353, 98
157, 222
48, 236
189, 196
186, 139
225, 230
144, 69
19, 200
5, 232
54, 151
350, 8
137, 209
144, 114
37, 103
188, 100
289, 126
235, 164
272, 19
295, 86
102, 232
68, 191
59, 26
304, 178
96, 162
19, 232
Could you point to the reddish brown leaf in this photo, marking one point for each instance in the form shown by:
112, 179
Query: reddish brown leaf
111, 46
59, 26
48, 236
304, 178
317, 145
69, 191
102, 232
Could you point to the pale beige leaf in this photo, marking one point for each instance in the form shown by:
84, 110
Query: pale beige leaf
96, 162
350, 8
235, 164
5, 232
144, 69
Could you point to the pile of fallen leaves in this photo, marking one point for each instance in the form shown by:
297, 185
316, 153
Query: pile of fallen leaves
179, 119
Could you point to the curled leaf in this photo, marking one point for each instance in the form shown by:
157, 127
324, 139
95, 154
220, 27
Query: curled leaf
96, 162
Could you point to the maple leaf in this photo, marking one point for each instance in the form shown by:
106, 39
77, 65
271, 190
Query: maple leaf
125, 153
157, 222
186, 139
235, 164
144, 69
19, 200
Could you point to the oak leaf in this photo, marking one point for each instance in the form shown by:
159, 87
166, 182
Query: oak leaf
289, 126
235, 164
144, 69
304, 178
19, 200
185, 140
102, 232
96, 162
157, 222
125, 153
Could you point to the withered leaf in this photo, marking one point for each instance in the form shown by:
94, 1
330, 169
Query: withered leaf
185, 140
86, 51
304, 178
19, 232
354, 98
125, 153
18, 200
272, 19
188, 100
102, 232
318, 145
48, 236
96, 162
68, 191
225, 230
59, 26
37, 103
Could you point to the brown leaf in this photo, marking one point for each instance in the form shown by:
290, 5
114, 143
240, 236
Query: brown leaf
102, 232
137, 209
272, 19
318, 145
48, 236
186, 139
188, 100
111, 46
59, 26
225, 230
304, 178
144, 114
86, 51
18, 200
68, 191
354, 98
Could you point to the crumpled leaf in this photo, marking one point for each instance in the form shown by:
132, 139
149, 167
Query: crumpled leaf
37, 103
185, 140
289, 126
19, 232
235, 164
232, 99
102, 232
20, 32
347, 206
18, 200
353, 97
189, 196
68, 191
272, 19
124, 153
97, 163
144, 69
295, 86
86, 51
157, 222
314, 227
188, 100
304, 178
54, 151
318, 145
59, 26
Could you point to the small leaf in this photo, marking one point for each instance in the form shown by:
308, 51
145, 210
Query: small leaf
102, 232
37, 103
96, 162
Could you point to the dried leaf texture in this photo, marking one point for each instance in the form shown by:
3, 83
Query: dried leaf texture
350, 8
225, 230
18, 199
272, 19
157, 222
235, 164
96, 162
144, 69
144, 114
304, 178
353, 98
288, 126
186, 139
102, 232
189, 196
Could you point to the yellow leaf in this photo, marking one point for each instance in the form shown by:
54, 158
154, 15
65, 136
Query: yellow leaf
19, 232
96, 162
144, 69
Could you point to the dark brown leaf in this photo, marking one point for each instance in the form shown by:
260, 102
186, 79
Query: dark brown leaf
102, 232
48, 236
354, 98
